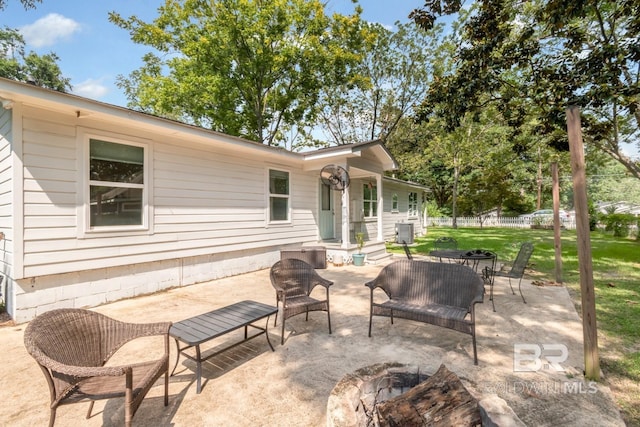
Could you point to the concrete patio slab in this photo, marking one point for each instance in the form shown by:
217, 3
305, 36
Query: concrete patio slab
252, 386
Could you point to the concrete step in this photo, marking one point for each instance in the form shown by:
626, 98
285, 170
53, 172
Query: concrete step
377, 258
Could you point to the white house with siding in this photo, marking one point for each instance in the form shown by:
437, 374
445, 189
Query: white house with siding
100, 203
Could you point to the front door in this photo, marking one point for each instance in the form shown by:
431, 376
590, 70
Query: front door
326, 212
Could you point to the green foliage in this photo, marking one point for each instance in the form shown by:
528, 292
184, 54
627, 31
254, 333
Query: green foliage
433, 210
41, 70
252, 68
594, 216
394, 72
28, 4
618, 223
541, 58
608, 181
360, 241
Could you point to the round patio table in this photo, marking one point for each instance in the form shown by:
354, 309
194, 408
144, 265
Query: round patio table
466, 256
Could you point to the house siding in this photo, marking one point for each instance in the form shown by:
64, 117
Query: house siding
206, 203
391, 218
6, 204
208, 218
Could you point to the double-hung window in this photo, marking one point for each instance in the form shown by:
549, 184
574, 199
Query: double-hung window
279, 190
370, 200
413, 204
117, 192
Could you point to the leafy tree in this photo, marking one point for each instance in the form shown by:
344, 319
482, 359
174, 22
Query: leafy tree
248, 68
41, 70
393, 76
610, 182
416, 162
550, 54
28, 4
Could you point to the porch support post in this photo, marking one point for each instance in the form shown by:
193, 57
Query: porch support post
346, 220
380, 209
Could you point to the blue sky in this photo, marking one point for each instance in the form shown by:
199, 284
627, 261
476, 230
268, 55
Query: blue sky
93, 51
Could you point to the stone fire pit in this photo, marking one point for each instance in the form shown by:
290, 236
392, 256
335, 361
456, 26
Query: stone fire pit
354, 400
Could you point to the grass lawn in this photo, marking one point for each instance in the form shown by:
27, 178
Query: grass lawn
616, 275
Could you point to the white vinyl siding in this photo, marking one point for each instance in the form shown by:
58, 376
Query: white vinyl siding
204, 199
391, 217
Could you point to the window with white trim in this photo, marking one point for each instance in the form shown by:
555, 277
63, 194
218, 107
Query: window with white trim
413, 204
370, 200
117, 190
278, 196
394, 203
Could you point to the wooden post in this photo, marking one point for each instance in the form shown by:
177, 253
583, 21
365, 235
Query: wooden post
589, 329
556, 221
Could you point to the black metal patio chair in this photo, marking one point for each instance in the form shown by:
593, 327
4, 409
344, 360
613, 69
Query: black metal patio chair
515, 272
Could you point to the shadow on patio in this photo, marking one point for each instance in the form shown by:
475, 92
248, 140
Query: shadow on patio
251, 385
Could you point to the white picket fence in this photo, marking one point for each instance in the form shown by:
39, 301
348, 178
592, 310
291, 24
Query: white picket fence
492, 221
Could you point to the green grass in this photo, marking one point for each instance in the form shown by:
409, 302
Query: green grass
616, 277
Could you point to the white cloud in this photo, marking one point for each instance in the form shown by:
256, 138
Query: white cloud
49, 30
91, 88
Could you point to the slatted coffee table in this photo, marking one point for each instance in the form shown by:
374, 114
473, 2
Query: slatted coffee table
202, 328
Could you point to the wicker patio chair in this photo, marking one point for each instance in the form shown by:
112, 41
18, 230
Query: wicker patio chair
294, 280
515, 272
72, 347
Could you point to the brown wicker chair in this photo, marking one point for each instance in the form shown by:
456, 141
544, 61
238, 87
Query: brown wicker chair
294, 280
72, 346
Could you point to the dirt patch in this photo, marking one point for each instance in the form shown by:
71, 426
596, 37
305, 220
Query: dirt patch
545, 283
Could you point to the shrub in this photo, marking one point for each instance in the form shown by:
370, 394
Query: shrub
594, 216
433, 210
618, 223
